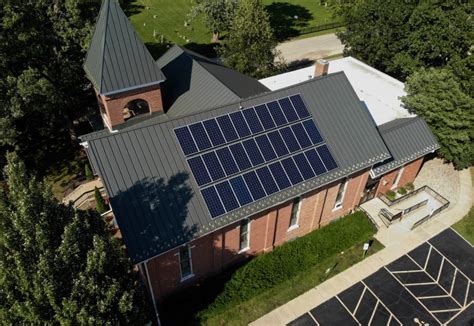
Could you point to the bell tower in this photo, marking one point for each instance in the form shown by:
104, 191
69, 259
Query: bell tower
126, 78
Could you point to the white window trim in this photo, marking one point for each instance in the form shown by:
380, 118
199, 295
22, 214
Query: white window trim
338, 205
296, 225
247, 247
399, 176
191, 275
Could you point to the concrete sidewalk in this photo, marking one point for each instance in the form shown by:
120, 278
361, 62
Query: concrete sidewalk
311, 48
398, 240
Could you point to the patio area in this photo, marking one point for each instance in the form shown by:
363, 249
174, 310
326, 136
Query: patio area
409, 210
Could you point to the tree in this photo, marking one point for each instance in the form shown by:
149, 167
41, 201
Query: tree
437, 96
42, 84
250, 45
399, 37
59, 265
218, 15
100, 205
88, 172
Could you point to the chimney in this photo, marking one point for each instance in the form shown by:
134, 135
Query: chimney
321, 68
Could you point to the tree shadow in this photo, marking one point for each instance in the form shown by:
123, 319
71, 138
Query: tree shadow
287, 18
208, 50
157, 49
152, 215
130, 7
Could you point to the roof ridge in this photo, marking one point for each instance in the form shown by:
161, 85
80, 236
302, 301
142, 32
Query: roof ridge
406, 121
104, 43
133, 128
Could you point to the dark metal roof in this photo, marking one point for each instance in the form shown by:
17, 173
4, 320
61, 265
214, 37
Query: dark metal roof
407, 139
157, 202
117, 59
195, 83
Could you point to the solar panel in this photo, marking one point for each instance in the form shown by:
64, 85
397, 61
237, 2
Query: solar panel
327, 158
288, 110
265, 147
301, 135
299, 106
291, 170
265, 117
290, 139
186, 140
267, 180
200, 136
199, 170
254, 185
312, 131
227, 160
252, 120
278, 143
213, 166
240, 124
246, 155
277, 113
241, 191
227, 195
240, 156
227, 128
279, 175
315, 161
214, 132
212, 201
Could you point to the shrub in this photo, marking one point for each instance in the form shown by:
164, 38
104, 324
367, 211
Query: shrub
286, 261
410, 186
390, 194
402, 191
100, 205
88, 172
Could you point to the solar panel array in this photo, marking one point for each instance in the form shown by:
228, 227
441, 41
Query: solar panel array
244, 156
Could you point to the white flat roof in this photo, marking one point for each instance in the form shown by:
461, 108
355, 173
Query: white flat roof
380, 92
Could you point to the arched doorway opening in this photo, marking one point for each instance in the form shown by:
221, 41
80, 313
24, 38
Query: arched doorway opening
135, 108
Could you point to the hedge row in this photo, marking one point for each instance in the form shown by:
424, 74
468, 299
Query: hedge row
284, 262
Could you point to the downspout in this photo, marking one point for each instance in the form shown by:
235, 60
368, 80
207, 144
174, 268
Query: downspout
152, 294
322, 210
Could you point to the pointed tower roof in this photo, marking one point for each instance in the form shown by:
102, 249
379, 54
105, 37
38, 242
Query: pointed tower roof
117, 60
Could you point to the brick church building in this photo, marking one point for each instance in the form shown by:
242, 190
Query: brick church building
205, 166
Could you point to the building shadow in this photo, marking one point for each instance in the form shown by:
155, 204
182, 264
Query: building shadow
286, 19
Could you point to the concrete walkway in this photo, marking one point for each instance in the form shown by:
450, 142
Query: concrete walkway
311, 48
398, 241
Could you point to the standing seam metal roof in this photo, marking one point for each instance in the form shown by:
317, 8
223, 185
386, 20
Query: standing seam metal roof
117, 60
157, 202
407, 139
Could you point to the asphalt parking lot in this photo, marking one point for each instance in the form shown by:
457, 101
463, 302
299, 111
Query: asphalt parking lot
431, 285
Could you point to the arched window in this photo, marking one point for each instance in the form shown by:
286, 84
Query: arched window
134, 108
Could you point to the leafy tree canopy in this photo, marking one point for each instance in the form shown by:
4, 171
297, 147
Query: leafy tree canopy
218, 14
438, 96
250, 45
400, 37
59, 265
42, 83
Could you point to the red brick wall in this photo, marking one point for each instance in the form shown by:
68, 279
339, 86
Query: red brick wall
409, 174
115, 104
220, 249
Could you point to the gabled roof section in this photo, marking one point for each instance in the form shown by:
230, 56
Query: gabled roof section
195, 83
117, 59
156, 201
407, 139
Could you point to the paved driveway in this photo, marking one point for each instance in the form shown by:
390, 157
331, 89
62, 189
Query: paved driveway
311, 48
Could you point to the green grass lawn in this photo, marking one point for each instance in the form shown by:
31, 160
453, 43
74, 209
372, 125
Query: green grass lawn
153, 18
288, 290
465, 227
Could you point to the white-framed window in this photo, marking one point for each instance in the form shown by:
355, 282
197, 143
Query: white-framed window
340, 194
244, 243
398, 177
295, 214
185, 262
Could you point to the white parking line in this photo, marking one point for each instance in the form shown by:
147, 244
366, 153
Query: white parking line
350, 313
467, 293
311, 315
360, 300
382, 303
434, 296
450, 262
373, 312
427, 258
